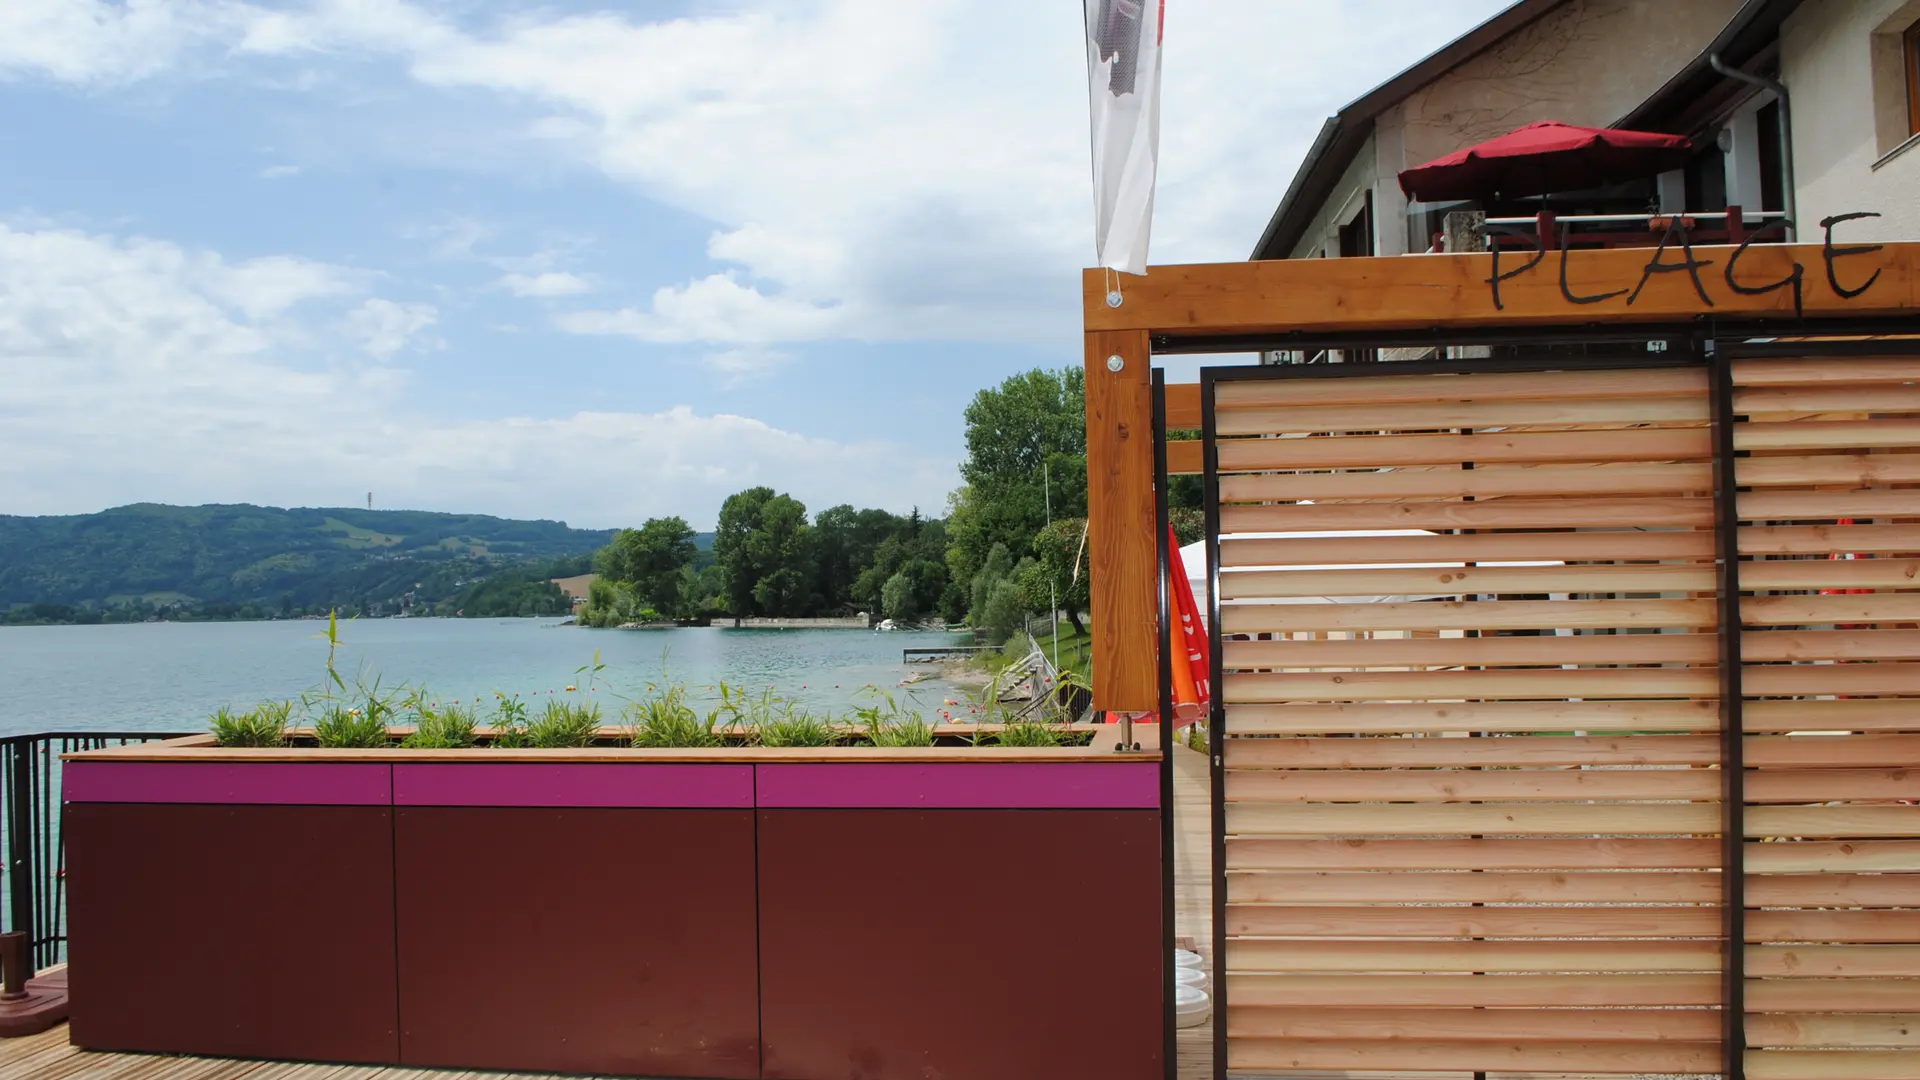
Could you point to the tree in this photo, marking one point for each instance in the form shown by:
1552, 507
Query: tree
845, 541
763, 548
1049, 580
1026, 448
897, 598
650, 560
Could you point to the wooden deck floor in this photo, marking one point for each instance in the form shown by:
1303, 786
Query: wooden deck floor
49, 1057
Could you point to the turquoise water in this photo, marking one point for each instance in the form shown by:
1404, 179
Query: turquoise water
169, 676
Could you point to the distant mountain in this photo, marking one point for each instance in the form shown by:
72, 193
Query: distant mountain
242, 561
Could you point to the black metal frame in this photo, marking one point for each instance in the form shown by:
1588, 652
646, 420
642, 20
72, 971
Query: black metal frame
1216, 712
1733, 798
1171, 344
35, 831
1168, 901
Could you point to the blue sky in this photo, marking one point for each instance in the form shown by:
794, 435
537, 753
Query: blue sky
586, 262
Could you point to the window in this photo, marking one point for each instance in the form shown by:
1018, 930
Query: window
1910, 50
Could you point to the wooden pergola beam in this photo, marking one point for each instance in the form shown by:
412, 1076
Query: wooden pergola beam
1843, 279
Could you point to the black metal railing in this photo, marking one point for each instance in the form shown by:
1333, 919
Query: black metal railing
33, 832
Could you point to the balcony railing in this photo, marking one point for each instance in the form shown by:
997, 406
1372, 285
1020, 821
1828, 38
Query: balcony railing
1546, 229
32, 830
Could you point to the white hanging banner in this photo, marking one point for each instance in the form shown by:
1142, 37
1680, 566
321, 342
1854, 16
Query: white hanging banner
1123, 74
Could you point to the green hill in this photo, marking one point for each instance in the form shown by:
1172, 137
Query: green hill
245, 561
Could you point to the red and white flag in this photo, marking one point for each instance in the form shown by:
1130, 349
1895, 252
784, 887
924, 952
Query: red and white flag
1123, 75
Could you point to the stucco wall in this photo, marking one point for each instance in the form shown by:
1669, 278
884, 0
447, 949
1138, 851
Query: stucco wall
1828, 61
1324, 232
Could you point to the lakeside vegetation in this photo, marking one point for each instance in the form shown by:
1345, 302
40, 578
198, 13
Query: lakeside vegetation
147, 561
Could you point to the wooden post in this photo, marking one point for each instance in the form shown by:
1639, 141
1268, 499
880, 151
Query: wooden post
1121, 548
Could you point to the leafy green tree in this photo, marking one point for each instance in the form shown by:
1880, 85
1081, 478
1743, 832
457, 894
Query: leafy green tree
764, 549
1026, 441
650, 560
897, 598
845, 541
1049, 578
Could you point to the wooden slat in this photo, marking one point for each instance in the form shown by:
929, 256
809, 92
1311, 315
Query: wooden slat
1183, 407
1510, 717
1838, 1030
1186, 457
1826, 399
1860, 714
1519, 1025
1810, 856
1537, 651
1483, 547
1833, 995
1809, 679
1515, 684
1442, 415
1497, 514
1829, 539
1846, 1065
1417, 753
1371, 1055
1826, 610
1613, 819
1829, 469
1268, 920
1826, 434
1474, 785
1391, 389
1526, 854
1441, 991
1832, 785
1122, 555
1833, 890
1832, 821
1817, 370
1829, 961
1480, 483
1826, 751
1483, 447
1608, 887
1469, 615
1841, 927
1759, 646
1467, 580
1462, 957
1804, 505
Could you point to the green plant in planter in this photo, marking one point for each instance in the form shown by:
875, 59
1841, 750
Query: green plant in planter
666, 720
562, 724
1029, 733
264, 726
797, 727
885, 723
449, 727
340, 727
509, 722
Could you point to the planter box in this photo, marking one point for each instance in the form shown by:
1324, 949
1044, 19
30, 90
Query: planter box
739, 913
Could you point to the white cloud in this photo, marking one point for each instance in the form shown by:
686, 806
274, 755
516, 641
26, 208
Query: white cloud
549, 284
740, 366
135, 369
279, 172
383, 327
877, 170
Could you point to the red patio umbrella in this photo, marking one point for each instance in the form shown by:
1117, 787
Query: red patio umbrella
1546, 157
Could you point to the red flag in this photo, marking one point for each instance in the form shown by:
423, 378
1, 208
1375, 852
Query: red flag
1187, 639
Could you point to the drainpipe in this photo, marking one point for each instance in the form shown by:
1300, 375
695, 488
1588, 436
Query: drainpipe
1786, 133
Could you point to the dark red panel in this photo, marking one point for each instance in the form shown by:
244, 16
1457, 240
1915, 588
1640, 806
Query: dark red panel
960, 944
237, 931
578, 940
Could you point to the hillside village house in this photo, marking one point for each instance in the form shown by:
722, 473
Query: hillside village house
1714, 70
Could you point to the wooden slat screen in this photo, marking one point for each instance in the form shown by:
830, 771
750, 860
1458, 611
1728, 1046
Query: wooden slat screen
1831, 629
1472, 797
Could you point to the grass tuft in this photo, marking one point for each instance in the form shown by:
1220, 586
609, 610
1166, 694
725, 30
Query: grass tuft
264, 726
564, 725
666, 720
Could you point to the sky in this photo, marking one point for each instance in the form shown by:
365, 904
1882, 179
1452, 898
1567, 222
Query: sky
588, 262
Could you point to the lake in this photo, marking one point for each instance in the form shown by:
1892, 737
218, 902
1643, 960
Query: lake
169, 676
